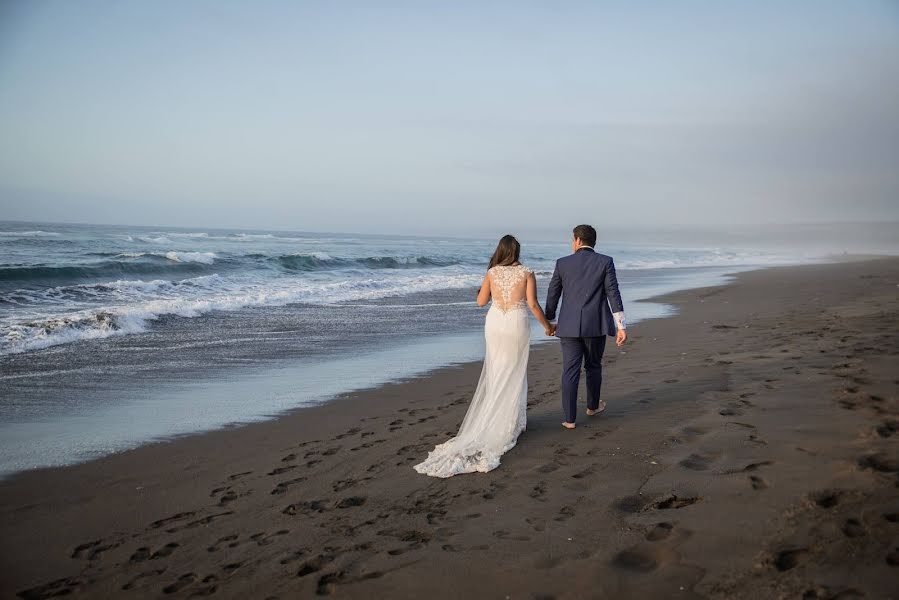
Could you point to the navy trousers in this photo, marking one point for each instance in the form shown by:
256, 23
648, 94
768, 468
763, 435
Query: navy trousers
586, 351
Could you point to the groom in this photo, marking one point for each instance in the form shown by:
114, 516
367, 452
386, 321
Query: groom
591, 311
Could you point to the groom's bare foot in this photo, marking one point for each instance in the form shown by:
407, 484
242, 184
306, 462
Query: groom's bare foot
599, 409
568, 425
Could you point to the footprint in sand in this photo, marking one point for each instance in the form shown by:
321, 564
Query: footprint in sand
758, 483
230, 496
283, 486
204, 521
538, 524
660, 532
398, 551
630, 504
348, 433
314, 565
826, 593
231, 567
182, 582
343, 484
140, 555
264, 539
853, 528
93, 550
229, 540
351, 502
697, 462
827, 498
538, 491
565, 513
755, 466
638, 558
328, 582
674, 502
172, 519
879, 462
308, 507
140, 576
204, 591
848, 404
785, 560
502, 534
490, 494
585, 473
164, 551
281, 470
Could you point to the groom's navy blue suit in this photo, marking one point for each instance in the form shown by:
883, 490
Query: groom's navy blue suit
588, 281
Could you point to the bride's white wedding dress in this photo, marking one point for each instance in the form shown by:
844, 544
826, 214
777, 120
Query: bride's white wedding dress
497, 413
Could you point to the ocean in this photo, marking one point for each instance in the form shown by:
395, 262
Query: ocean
114, 336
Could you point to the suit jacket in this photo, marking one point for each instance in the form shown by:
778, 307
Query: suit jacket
588, 281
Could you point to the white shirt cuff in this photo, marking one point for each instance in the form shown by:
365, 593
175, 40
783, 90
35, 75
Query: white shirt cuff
619, 319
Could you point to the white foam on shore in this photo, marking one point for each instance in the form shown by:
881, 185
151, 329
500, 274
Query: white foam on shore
737, 259
207, 258
212, 293
315, 255
161, 239
198, 234
36, 233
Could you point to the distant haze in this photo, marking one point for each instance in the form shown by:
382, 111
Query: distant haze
451, 118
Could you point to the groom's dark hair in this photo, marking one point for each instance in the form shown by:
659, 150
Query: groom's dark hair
586, 234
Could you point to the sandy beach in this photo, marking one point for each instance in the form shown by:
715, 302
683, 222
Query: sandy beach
749, 450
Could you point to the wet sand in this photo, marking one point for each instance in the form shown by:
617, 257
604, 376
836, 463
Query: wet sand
749, 450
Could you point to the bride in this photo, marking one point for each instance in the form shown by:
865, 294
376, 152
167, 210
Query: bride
497, 413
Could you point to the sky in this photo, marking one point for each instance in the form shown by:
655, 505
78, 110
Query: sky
449, 117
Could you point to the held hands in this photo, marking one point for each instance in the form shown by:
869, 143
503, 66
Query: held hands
620, 337
550, 329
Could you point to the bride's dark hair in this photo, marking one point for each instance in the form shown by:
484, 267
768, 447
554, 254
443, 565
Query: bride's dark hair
507, 252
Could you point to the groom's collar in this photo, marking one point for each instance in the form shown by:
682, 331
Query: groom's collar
590, 248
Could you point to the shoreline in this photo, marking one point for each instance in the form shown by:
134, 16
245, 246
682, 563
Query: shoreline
213, 400
102, 512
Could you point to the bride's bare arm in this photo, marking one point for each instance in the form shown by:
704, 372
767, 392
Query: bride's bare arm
484, 292
534, 305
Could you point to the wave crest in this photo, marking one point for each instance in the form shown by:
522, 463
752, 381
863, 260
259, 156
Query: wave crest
211, 294
36, 233
320, 260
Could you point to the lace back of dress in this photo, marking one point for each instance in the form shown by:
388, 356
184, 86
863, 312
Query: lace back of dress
511, 281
